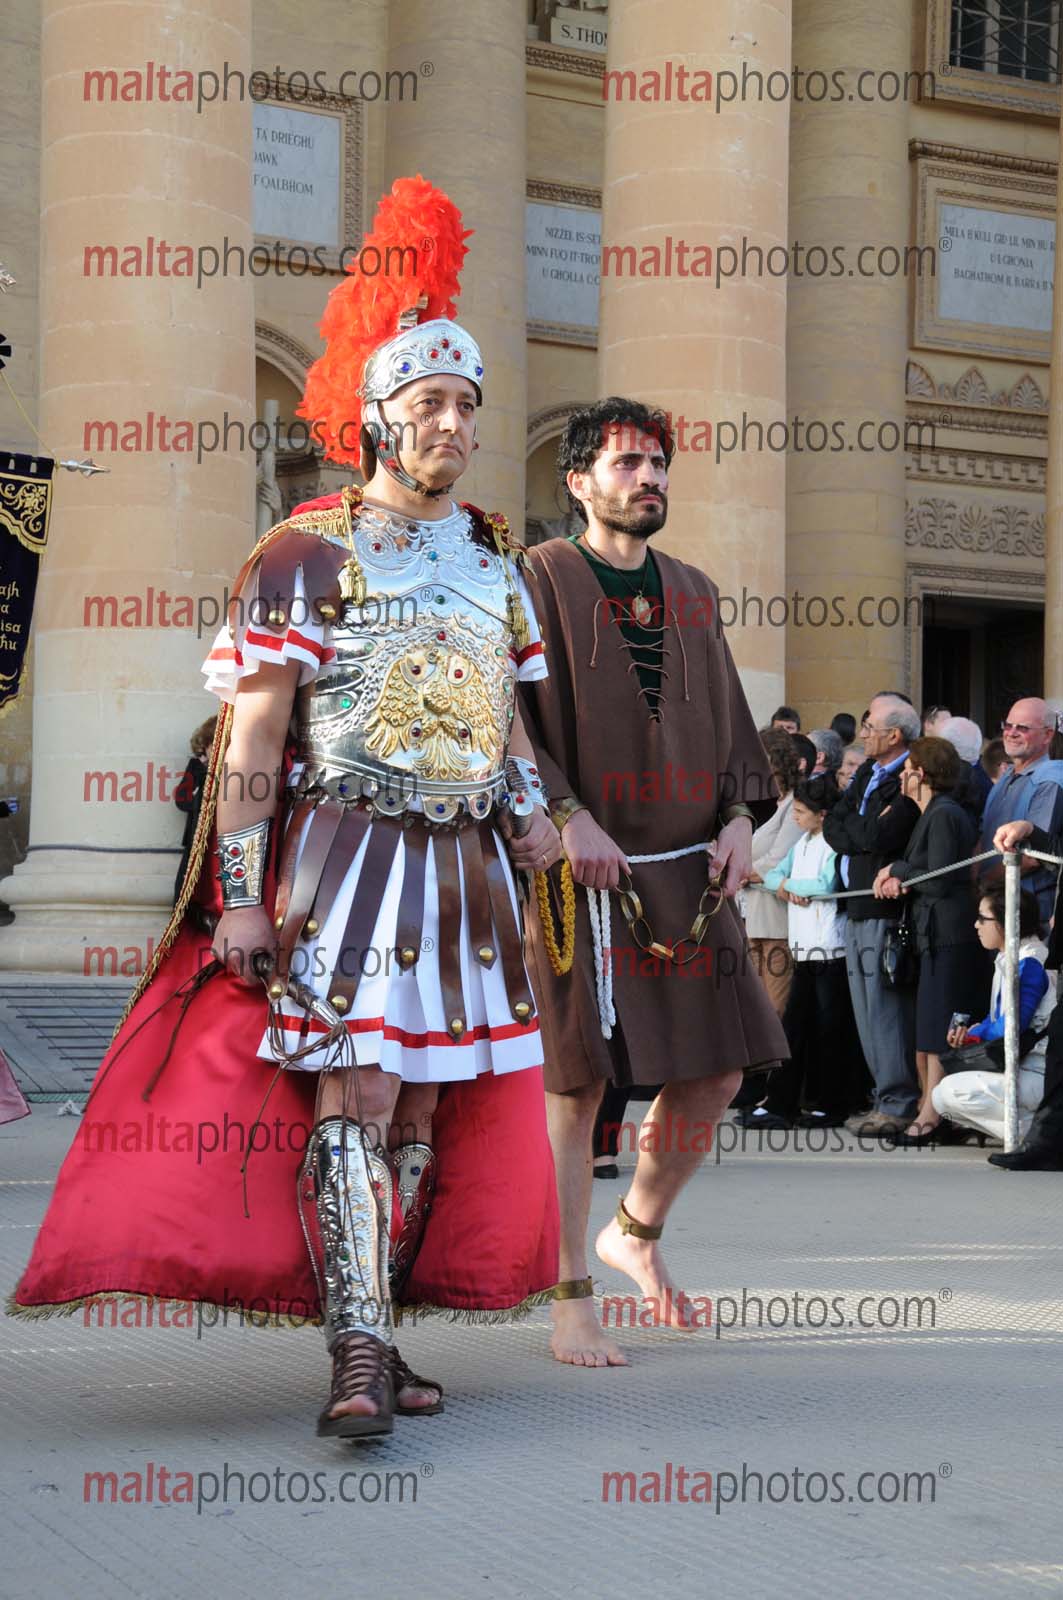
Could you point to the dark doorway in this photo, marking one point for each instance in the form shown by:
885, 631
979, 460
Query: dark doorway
981, 656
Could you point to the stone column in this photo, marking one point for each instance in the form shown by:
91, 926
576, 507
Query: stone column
1054, 483
117, 681
466, 133
846, 349
677, 169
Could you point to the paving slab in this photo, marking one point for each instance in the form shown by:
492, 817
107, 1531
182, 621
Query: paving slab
920, 1455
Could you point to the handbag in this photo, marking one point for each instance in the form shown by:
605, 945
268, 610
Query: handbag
989, 1057
900, 957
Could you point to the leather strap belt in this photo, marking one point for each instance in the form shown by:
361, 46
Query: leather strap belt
445, 857
286, 867
373, 875
410, 920
518, 991
477, 898
349, 836
298, 900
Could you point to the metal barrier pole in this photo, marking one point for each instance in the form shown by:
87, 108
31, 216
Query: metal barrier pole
1012, 887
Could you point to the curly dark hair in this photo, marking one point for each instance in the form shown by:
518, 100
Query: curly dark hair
818, 793
584, 437
782, 754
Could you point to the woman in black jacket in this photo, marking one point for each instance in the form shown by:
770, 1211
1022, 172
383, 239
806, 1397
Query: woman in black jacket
953, 973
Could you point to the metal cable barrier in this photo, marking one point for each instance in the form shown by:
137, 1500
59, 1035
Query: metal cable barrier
1012, 886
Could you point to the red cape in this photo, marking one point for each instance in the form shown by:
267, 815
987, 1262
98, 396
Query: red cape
151, 1197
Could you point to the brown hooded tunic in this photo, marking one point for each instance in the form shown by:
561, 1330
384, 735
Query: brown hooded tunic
654, 785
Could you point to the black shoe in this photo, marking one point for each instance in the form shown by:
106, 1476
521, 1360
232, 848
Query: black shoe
609, 1171
759, 1117
820, 1119
955, 1133
1028, 1158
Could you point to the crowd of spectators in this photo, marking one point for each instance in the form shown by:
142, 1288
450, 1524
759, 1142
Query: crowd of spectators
878, 969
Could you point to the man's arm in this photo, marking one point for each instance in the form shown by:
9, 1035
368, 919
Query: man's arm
261, 714
539, 847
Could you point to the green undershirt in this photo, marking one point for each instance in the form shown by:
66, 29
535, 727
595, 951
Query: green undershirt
621, 585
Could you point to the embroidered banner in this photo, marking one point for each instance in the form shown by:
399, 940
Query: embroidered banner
25, 504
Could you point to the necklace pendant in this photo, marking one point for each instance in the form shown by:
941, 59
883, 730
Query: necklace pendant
641, 609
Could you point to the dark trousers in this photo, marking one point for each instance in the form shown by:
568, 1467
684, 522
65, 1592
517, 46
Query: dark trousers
1046, 1130
826, 1070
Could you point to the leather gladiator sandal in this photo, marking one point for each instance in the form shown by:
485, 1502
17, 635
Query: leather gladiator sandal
361, 1365
404, 1377
345, 1221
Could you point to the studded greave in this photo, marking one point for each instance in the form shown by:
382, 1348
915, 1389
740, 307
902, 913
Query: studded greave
343, 1183
415, 1173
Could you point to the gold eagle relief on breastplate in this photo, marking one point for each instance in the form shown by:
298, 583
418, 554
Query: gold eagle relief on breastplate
434, 704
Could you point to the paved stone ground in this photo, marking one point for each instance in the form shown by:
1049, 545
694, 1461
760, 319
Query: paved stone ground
504, 1493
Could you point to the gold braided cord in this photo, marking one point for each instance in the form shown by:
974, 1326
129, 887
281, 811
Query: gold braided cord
201, 837
560, 959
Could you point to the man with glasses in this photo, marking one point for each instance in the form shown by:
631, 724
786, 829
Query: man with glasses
1030, 789
869, 827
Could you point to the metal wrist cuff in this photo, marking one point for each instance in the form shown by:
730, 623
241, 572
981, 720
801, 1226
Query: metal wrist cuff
562, 810
242, 865
739, 809
526, 788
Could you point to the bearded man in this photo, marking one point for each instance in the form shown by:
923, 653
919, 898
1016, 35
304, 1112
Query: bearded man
389, 626
653, 765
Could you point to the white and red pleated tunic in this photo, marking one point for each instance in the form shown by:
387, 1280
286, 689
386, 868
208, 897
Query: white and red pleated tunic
397, 1019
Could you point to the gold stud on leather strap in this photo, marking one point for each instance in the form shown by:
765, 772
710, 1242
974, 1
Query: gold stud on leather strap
277, 990
486, 954
312, 925
327, 611
277, 618
457, 1027
574, 1289
407, 955
278, 923
522, 1010
338, 1002
627, 1224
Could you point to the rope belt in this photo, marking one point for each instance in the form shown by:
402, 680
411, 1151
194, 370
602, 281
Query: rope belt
602, 931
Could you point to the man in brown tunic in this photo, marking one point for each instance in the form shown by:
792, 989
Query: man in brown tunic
648, 748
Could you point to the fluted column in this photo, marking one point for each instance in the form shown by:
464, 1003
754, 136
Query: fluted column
118, 688
466, 133
677, 169
846, 347
1054, 482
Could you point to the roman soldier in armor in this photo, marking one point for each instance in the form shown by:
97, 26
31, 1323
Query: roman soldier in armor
374, 643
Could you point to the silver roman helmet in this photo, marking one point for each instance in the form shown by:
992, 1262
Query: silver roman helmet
418, 350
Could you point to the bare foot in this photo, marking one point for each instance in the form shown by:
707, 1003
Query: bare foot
642, 1260
578, 1338
413, 1396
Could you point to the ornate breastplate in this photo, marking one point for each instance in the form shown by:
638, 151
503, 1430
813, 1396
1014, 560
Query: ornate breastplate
416, 709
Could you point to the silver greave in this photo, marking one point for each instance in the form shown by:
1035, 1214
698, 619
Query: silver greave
345, 1208
415, 1176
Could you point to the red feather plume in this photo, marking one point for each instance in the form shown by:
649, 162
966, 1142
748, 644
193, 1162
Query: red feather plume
421, 243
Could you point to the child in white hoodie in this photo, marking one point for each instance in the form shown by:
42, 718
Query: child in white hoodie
816, 1087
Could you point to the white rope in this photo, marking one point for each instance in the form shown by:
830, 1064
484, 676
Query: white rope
601, 916
598, 906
